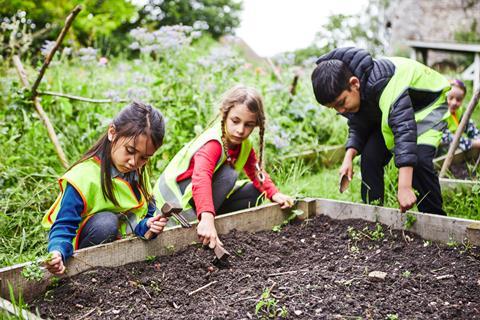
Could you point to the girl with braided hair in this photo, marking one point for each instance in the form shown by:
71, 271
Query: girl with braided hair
202, 177
107, 193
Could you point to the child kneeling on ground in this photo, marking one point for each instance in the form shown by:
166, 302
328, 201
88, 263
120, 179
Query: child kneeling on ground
107, 193
202, 177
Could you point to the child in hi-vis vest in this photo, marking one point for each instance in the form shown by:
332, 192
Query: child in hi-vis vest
202, 177
107, 193
471, 135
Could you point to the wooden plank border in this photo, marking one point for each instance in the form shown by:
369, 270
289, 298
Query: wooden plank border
428, 226
452, 184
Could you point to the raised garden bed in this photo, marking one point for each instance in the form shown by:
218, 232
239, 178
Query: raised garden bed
318, 268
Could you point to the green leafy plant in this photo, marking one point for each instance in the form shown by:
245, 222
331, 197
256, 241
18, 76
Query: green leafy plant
410, 220
150, 259
406, 274
34, 270
267, 306
376, 234
392, 316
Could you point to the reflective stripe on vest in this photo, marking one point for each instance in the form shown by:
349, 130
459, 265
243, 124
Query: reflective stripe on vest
410, 74
434, 120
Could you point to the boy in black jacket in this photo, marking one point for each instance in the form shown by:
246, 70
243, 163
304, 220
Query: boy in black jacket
393, 105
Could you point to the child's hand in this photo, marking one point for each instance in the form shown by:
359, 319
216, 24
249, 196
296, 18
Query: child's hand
206, 230
406, 198
55, 263
156, 224
347, 168
283, 200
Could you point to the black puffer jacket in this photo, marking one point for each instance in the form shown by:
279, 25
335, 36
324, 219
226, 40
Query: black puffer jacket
374, 76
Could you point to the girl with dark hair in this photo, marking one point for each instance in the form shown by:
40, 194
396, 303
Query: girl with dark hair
202, 177
107, 193
471, 137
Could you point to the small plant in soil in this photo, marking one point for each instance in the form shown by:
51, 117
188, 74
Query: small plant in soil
150, 259
406, 274
392, 316
267, 307
410, 219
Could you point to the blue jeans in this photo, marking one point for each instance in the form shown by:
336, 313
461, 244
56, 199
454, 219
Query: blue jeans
101, 228
223, 181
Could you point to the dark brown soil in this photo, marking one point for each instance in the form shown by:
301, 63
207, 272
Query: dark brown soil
315, 270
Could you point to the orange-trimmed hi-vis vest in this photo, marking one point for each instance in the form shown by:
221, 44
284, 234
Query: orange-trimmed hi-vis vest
85, 177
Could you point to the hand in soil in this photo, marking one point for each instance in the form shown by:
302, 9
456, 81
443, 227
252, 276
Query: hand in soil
206, 230
55, 263
283, 200
406, 198
156, 224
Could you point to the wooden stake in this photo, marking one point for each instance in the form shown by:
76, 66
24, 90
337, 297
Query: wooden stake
48, 58
459, 132
43, 116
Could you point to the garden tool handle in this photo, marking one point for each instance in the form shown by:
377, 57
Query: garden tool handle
165, 212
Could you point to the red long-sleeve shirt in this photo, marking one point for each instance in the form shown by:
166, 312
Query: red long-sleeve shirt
202, 167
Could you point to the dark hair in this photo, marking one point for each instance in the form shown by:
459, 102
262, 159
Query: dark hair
459, 84
134, 120
253, 100
329, 79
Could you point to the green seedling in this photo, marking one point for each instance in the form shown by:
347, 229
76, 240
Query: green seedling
353, 234
406, 274
150, 259
373, 235
267, 307
377, 234
452, 243
392, 317
410, 219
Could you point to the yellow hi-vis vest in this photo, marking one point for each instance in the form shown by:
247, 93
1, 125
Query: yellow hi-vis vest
167, 190
431, 119
452, 124
85, 178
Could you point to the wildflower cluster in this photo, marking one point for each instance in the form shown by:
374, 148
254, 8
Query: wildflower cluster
167, 38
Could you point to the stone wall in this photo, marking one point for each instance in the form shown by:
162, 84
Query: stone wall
429, 20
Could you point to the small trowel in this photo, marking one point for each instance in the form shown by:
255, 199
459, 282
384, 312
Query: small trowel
221, 257
344, 182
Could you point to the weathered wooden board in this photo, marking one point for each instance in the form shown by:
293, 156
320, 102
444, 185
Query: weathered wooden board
427, 226
455, 184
